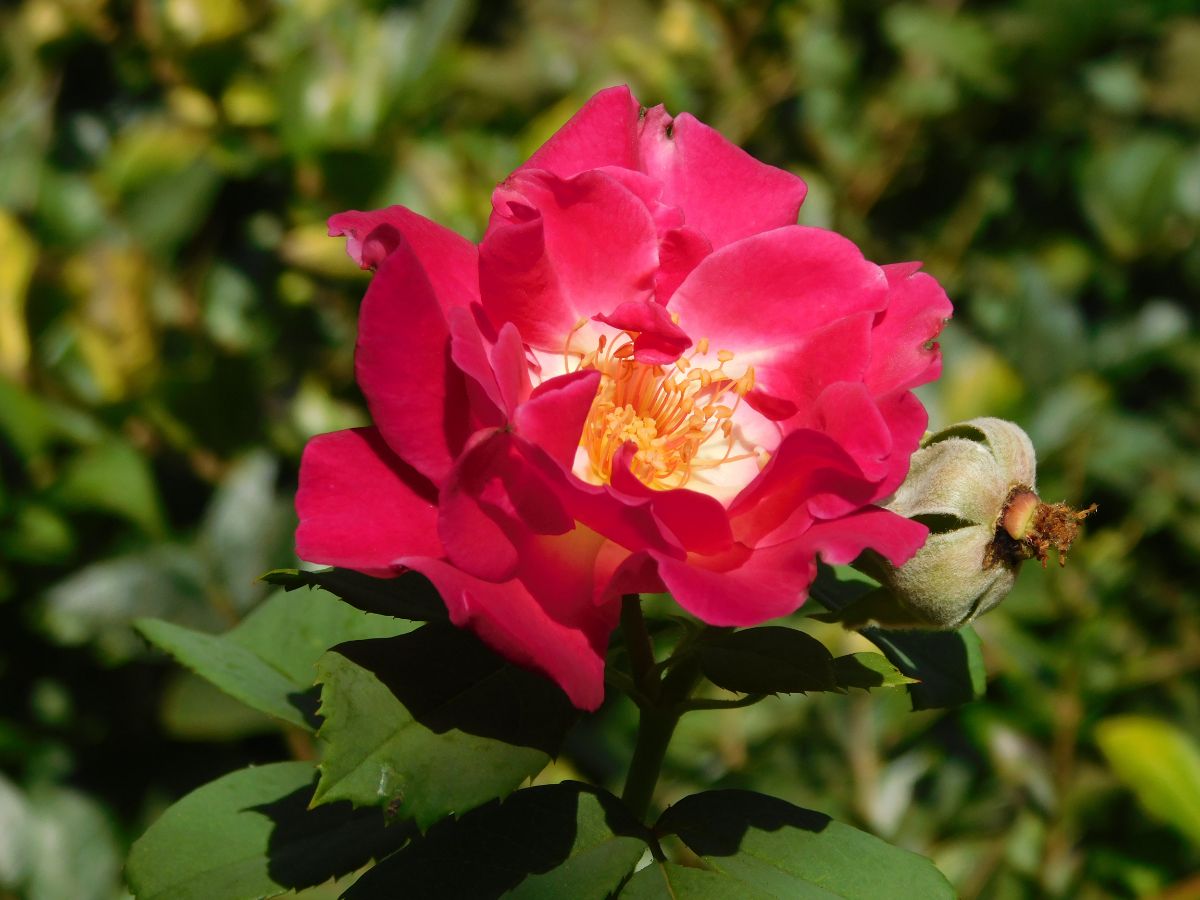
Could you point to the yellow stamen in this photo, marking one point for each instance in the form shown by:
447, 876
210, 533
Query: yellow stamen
670, 413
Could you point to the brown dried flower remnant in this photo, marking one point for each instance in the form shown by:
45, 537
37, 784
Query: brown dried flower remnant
1029, 528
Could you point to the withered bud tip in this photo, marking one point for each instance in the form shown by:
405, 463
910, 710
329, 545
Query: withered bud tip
1028, 528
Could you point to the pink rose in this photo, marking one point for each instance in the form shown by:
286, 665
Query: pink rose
645, 378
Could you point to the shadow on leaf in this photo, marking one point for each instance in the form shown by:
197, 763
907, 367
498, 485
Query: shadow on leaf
447, 678
948, 664
534, 832
307, 703
715, 823
408, 596
309, 846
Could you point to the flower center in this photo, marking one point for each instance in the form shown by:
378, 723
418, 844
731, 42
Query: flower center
679, 417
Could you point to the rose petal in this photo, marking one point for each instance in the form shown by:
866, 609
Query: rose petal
848, 413
697, 521
745, 590
762, 297
477, 540
507, 357
807, 467
492, 501
469, 355
796, 376
738, 590
417, 398
547, 622
553, 416
907, 420
658, 341
450, 260
603, 133
679, 251
360, 506
559, 250
725, 193
903, 354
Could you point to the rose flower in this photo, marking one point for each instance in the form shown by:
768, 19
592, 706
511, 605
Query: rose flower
645, 378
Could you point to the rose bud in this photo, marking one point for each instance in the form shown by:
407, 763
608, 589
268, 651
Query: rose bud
974, 486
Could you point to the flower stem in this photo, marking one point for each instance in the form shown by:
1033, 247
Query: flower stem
660, 703
655, 728
637, 643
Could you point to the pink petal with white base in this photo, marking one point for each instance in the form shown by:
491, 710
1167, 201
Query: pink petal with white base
558, 251
762, 296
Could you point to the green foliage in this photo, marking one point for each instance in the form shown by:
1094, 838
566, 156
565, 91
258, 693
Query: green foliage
410, 596
946, 665
760, 846
1161, 764
943, 668
777, 660
431, 724
250, 834
562, 840
269, 660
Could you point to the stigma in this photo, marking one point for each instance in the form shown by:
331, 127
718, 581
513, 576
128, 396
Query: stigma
679, 417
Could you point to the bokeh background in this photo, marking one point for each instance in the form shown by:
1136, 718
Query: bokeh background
174, 325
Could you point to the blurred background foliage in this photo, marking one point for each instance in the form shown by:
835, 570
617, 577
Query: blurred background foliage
174, 325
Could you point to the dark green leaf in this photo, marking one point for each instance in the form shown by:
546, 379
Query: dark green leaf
409, 596
669, 881
251, 834
764, 844
948, 664
268, 661
432, 723
557, 841
767, 660
868, 670
836, 587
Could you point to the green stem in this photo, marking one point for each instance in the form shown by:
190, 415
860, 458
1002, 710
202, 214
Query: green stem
637, 643
655, 728
661, 703
656, 724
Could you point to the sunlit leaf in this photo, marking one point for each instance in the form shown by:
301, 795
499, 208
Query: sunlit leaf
757, 846
269, 660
